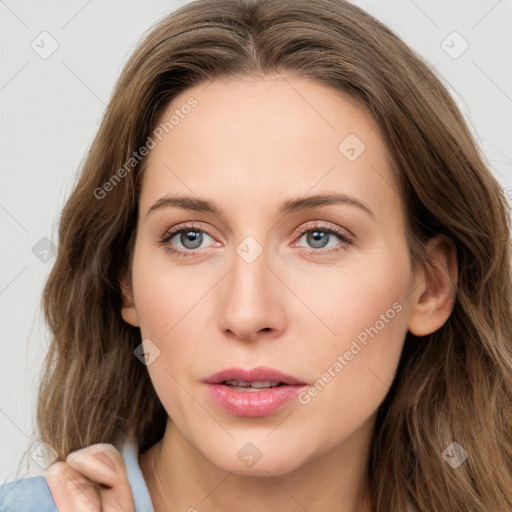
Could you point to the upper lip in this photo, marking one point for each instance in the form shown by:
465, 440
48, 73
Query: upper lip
258, 374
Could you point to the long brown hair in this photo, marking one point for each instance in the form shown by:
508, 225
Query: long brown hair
454, 385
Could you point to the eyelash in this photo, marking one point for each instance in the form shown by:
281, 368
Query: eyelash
345, 240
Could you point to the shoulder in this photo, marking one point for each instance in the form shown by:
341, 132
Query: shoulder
26, 495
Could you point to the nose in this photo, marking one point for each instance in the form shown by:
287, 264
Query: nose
251, 299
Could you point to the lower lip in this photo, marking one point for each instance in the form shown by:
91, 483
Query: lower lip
252, 404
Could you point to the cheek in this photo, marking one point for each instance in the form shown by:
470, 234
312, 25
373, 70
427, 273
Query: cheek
347, 298
354, 361
171, 305
168, 307
165, 294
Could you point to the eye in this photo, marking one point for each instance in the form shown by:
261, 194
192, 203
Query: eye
319, 236
190, 237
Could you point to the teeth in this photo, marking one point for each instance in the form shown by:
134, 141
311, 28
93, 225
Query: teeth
257, 385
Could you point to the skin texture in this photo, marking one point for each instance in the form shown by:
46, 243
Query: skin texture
248, 145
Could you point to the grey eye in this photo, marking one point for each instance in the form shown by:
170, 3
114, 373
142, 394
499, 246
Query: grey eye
319, 238
190, 238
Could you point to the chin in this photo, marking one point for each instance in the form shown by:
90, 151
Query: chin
254, 459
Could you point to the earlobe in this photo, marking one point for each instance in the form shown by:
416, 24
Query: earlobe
128, 309
434, 293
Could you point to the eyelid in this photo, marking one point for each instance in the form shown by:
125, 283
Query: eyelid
191, 226
321, 225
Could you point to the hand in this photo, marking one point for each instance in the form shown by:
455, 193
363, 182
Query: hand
91, 480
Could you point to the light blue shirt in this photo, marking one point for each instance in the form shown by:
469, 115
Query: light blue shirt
32, 494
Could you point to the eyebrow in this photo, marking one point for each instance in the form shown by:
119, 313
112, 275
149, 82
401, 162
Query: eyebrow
288, 206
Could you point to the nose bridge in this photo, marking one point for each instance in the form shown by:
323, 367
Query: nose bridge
249, 299
249, 280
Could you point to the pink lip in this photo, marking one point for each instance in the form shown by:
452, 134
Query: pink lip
252, 403
260, 373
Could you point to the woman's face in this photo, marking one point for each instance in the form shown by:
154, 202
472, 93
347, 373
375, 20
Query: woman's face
320, 291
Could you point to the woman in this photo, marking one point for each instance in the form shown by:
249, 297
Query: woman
283, 280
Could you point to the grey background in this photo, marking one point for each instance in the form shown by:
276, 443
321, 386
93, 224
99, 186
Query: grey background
51, 108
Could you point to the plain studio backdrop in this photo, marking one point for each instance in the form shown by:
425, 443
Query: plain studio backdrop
59, 64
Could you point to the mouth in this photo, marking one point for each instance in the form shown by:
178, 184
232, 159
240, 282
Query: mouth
254, 392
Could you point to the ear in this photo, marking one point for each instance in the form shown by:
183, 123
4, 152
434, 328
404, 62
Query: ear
434, 293
128, 309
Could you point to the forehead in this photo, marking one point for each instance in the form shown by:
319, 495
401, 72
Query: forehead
253, 138
278, 112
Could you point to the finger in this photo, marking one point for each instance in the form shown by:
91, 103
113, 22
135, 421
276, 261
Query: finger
104, 464
71, 491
